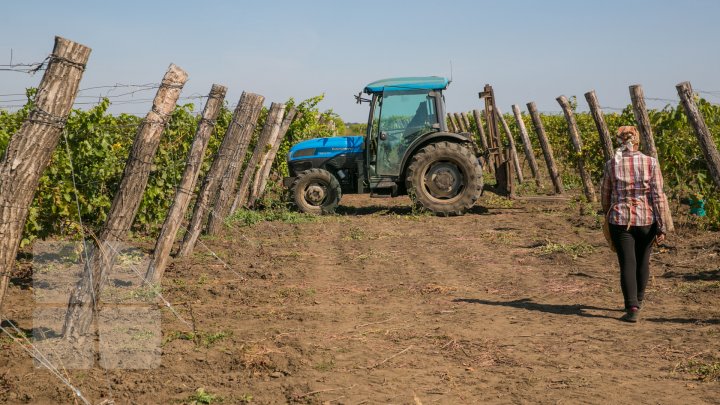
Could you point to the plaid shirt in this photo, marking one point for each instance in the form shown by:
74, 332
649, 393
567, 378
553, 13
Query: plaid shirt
632, 192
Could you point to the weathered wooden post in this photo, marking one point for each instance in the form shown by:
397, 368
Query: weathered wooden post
527, 146
546, 148
599, 118
29, 151
185, 189
511, 144
461, 123
236, 140
466, 121
451, 124
269, 133
577, 144
483, 140
710, 151
643, 120
263, 173
455, 123
125, 205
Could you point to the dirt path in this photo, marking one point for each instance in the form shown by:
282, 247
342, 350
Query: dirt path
513, 303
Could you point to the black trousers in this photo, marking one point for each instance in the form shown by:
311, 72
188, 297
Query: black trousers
633, 248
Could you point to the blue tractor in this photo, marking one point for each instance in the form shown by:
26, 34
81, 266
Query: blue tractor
407, 150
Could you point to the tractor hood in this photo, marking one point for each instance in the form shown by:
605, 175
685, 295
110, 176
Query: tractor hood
326, 147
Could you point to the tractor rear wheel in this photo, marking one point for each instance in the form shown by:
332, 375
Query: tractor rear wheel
445, 178
316, 191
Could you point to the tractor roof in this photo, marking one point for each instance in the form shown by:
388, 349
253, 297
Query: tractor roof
407, 83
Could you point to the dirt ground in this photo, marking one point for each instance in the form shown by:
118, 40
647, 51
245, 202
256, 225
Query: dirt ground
515, 302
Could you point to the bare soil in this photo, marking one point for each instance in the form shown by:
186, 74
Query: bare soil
515, 302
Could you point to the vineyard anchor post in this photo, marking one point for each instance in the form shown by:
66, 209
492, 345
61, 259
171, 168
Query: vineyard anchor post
643, 120
546, 148
577, 144
710, 151
185, 188
31, 147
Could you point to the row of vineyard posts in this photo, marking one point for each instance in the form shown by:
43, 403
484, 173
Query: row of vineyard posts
461, 122
30, 148
228, 185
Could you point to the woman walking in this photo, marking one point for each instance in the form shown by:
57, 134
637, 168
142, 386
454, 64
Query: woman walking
638, 213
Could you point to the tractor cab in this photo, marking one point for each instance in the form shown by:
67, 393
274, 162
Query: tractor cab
403, 111
407, 149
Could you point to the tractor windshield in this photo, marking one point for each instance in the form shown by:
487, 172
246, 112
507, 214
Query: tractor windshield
404, 116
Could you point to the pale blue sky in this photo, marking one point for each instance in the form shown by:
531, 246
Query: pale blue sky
528, 50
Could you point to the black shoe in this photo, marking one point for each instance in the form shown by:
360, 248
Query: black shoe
631, 315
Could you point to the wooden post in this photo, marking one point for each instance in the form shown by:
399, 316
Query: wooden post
185, 189
546, 148
263, 173
237, 137
527, 145
599, 118
269, 133
577, 144
466, 121
451, 124
511, 144
461, 123
29, 151
455, 123
126, 202
643, 120
480, 128
483, 141
494, 136
710, 151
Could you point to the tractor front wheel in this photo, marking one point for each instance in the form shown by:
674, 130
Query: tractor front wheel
316, 191
445, 178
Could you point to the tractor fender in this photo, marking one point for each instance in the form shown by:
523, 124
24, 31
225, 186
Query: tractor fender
464, 137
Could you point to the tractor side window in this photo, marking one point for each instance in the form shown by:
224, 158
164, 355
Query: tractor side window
374, 130
406, 115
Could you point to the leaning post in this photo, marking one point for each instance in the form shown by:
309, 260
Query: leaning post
85, 296
184, 190
511, 144
234, 144
30, 149
577, 144
527, 146
643, 120
704, 137
546, 148
602, 128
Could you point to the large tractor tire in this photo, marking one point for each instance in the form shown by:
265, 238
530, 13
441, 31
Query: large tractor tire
316, 191
445, 178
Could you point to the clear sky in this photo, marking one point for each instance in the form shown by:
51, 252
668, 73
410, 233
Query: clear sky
528, 50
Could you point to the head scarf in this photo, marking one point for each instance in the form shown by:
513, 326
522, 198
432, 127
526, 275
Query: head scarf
627, 136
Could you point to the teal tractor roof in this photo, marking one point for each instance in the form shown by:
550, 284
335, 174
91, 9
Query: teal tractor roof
407, 83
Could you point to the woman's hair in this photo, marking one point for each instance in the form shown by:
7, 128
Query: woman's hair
628, 133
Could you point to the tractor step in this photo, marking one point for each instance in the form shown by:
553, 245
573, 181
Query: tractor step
384, 189
384, 193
